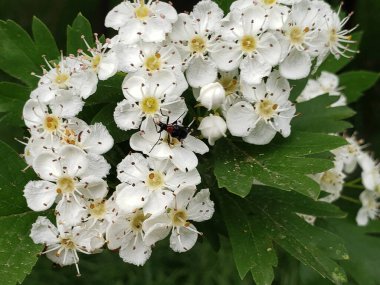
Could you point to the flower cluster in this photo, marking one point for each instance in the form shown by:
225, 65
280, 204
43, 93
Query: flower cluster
346, 158
238, 65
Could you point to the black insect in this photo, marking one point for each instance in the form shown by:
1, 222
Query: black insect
174, 130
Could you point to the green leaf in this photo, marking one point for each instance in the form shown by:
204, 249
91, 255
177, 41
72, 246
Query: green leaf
269, 216
105, 116
45, 43
18, 252
356, 82
80, 27
316, 115
364, 249
12, 99
108, 91
283, 164
331, 64
297, 87
224, 5
18, 53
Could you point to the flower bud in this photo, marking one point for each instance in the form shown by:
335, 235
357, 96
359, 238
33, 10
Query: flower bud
212, 95
213, 128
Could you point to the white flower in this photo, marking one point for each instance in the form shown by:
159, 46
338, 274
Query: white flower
331, 181
42, 122
69, 75
277, 12
213, 128
349, 153
148, 98
126, 232
163, 146
149, 183
212, 96
66, 180
64, 243
186, 208
267, 111
39, 144
370, 209
299, 37
195, 35
370, 173
327, 83
103, 61
247, 44
136, 21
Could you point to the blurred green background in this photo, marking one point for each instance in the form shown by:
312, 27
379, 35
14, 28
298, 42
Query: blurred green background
202, 265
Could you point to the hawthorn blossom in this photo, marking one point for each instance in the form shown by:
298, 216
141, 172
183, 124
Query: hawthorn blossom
195, 34
63, 243
349, 154
163, 146
247, 44
187, 207
370, 209
140, 20
212, 96
213, 128
148, 98
266, 111
370, 172
149, 183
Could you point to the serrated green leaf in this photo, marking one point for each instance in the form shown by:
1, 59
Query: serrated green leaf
80, 27
269, 216
18, 54
331, 64
283, 163
44, 40
356, 82
105, 116
316, 115
364, 249
18, 253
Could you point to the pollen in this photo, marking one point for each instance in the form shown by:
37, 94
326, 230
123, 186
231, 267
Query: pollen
155, 180
230, 85
297, 36
153, 63
150, 105
137, 221
179, 218
266, 109
69, 137
98, 210
248, 43
142, 11
67, 243
198, 45
269, 2
65, 184
61, 79
96, 61
51, 123
330, 177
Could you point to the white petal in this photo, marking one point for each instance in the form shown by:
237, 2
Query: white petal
262, 134
184, 239
165, 10
40, 195
254, 70
158, 202
241, 118
277, 84
47, 166
135, 251
362, 217
116, 232
176, 179
184, 196
66, 257
184, 159
201, 208
129, 58
155, 30
73, 160
131, 197
269, 49
97, 139
134, 88
66, 104
183, 29
108, 66
33, 113
296, 66
227, 56
209, 15
85, 82
127, 115
254, 20
43, 93
253, 92
156, 229
44, 232
195, 145
201, 72
97, 166
130, 33
119, 15
69, 212
93, 187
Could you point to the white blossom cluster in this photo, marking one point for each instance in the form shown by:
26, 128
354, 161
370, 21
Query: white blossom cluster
346, 158
238, 65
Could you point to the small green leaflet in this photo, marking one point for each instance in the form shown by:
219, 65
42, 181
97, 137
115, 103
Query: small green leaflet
283, 164
354, 83
268, 216
18, 252
80, 27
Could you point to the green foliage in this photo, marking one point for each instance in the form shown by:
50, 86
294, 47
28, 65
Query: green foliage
18, 252
269, 216
80, 27
44, 40
356, 82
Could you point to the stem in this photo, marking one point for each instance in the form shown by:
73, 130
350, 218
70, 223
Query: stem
354, 186
350, 199
355, 181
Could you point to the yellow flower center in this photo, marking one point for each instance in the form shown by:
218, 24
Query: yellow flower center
266, 109
137, 221
61, 79
172, 142
179, 218
269, 2
69, 137
153, 63
198, 45
65, 184
142, 12
67, 243
248, 43
95, 61
329, 177
155, 180
230, 85
150, 105
51, 123
98, 210
297, 35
